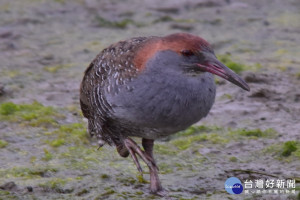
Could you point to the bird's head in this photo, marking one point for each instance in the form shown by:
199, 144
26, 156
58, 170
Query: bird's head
193, 53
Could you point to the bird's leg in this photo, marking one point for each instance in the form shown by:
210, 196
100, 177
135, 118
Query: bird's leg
148, 147
124, 152
147, 157
134, 149
155, 185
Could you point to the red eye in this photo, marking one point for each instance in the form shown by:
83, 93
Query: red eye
186, 52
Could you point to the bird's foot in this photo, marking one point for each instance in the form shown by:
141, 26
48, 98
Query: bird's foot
157, 189
155, 185
162, 193
146, 156
133, 149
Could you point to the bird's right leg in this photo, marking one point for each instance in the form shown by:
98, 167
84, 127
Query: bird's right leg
155, 185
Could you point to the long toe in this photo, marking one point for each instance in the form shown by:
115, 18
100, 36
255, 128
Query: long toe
161, 192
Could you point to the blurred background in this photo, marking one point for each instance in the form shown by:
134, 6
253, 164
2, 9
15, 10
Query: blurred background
45, 46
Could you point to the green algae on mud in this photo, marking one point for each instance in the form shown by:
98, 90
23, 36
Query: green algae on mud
54, 183
289, 147
56, 142
36, 171
286, 151
74, 133
226, 59
34, 114
195, 130
186, 142
215, 135
254, 133
56, 68
8, 195
193, 135
3, 144
47, 155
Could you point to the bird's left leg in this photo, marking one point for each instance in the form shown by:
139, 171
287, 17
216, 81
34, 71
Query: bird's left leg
147, 157
133, 149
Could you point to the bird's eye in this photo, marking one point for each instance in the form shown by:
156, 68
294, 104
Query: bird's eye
186, 52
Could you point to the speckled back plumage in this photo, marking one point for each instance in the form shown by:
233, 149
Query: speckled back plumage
112, 67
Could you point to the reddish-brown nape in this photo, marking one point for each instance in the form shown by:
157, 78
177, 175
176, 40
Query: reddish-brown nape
175, 42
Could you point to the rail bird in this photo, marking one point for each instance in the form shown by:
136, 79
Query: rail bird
150, 87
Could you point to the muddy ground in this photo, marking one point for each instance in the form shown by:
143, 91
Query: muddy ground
45, 46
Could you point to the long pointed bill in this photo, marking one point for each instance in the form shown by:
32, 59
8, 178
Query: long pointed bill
214, 66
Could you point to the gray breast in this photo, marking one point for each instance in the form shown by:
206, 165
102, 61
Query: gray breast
162, 104
163, 100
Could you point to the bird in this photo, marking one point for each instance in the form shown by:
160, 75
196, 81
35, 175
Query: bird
150, 87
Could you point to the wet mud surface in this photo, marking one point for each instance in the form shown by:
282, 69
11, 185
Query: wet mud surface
45, 46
